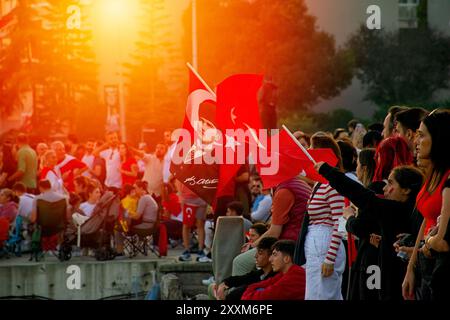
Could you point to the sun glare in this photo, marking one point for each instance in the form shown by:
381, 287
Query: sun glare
116, 12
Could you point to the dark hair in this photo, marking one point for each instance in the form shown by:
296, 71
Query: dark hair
393, 111
376, 127
409, 177
256, 177
411, 118
323, 140
90, 188
266, 243
286, 247
352, 123
236, 206
438, 123
301, 135
82, 181
337, 132
19, 187
372, 139
128, 153
126, 189
74, 199
141, 184
45, 184
367, 159
349, 155
259, 227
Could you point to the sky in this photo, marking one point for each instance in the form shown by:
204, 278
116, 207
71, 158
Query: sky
115, 32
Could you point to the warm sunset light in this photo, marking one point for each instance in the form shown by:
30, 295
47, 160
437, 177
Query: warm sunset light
116, 11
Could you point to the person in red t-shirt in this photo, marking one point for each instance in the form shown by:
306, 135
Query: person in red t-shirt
433, 202
129, 168
288, 284
69, 166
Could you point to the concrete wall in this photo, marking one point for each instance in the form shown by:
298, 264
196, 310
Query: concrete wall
98, 279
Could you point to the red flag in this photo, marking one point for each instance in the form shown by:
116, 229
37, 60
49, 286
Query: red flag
326, 155
292, 161
352, 252
200, 178
237, 108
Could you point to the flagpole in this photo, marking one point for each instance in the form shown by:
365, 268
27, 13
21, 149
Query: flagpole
201, 79
299, 144
194, 35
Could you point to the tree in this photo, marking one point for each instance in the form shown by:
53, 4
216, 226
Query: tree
70, 90
18, 61
150, 98
274, 37
310, 122
52, 62
403, 67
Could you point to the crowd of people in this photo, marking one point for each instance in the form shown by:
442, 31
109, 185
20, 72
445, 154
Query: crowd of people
385, 208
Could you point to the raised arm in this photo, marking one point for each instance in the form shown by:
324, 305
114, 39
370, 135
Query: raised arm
354, 191
103, 147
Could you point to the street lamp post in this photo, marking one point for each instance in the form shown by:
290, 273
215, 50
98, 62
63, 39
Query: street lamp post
194, 35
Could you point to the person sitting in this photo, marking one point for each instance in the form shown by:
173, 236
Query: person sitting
147, 210
8, 207
236, 209
254, 233
287, 284
233, 287
93, 196
53, 236
50, 173
262, 203
130, 201
25, 207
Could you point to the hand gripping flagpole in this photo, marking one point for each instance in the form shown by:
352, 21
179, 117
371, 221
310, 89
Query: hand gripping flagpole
299, 144
201, 79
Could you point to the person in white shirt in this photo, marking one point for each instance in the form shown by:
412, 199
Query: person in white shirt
262, 202
88, 158
25, 200
51, 173
154, 165
94, 195
110, 153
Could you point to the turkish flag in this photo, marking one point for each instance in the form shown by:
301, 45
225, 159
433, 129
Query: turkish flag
237, 108
189, 215
199, 177
292, 161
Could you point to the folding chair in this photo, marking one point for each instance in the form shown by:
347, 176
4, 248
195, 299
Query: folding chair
50, 223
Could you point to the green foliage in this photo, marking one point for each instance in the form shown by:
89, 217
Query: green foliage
54, 63
150, 100
312, 122
404, 67
273, 37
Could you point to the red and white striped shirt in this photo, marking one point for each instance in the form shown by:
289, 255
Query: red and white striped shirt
325, 208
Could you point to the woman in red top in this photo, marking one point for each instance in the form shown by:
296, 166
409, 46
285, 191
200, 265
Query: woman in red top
129, 168
433, 201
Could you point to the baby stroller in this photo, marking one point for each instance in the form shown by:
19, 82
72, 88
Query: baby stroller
96, 233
